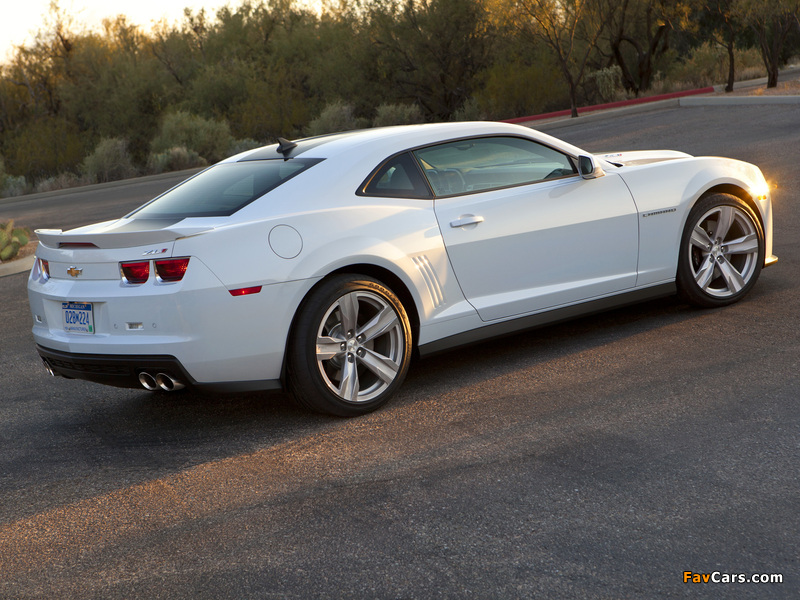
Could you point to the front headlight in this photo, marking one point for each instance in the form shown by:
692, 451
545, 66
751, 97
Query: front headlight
760, 192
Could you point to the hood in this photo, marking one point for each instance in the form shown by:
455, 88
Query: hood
641, 157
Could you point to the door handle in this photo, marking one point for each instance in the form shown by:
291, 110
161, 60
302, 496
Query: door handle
465, 220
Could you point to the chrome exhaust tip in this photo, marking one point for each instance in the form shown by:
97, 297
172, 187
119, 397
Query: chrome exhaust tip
148, 381
48, 368
168, 383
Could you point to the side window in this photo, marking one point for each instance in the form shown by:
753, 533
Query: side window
490, 163
398, 177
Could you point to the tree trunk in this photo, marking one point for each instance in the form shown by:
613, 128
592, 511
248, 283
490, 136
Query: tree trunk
772, 76
731, 69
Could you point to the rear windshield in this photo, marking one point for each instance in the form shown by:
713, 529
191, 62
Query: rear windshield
223, 189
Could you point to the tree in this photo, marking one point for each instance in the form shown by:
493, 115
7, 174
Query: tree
771, 21
570, 28
432, 51
640, 34
722, 25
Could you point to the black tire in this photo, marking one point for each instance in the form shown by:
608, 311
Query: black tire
721, 252
349, 348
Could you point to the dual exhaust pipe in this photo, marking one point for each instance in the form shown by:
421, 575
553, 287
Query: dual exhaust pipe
162, 381
150, 382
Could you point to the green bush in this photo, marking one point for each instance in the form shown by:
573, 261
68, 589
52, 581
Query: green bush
335, 117
607, 84
470, 111
516, 89
240, 146
708, 65
44, 147
397, 114
61, 181
10, 185
13, 186
110, 161
209, 139
174, 159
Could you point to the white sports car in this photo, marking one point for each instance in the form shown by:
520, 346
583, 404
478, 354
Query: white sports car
323, 265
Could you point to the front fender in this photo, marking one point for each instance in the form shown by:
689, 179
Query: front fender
665, 193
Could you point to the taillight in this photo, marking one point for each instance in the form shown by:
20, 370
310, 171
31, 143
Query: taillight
171, 269
135, 272
44, 268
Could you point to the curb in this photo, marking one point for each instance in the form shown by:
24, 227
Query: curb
17, 266
612, 105
739, 100
689, 98
693, 102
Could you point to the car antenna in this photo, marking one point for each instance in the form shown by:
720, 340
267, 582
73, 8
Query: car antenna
285, 146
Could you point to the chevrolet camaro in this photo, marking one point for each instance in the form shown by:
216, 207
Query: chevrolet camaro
323, 265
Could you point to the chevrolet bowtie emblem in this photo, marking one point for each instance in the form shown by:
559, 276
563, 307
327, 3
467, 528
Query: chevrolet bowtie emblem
74, 271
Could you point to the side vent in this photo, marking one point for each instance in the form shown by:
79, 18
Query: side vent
431, 280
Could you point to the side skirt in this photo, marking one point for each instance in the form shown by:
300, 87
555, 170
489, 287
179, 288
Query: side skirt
549, 317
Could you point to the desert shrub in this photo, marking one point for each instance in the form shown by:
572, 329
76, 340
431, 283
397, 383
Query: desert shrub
10, 185
515, 89
397, 114
470, 111
239, 146
110, 161
335, 117
174, 159
209, 139
607, 84
13, 185
44, 147
708, 65
60, 182
748, 64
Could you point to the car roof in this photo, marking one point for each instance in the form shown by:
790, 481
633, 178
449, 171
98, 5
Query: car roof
387, 140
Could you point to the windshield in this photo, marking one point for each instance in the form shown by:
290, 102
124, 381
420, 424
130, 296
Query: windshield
223, 189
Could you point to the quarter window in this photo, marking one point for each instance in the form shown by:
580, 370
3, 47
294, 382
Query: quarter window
490, 163
398, 177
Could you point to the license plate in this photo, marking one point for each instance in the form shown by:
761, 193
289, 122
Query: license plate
78, 317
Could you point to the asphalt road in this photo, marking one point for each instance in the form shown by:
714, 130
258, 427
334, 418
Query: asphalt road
602, 458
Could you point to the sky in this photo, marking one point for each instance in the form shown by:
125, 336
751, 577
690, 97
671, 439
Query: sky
23, 18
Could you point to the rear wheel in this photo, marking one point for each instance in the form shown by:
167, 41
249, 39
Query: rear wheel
350, 347
721, 253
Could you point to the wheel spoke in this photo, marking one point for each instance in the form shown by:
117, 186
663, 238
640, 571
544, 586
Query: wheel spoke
726, 215
731, 276
743, 245
348, 309
705, 274
700, 238
328, 347
382, 366
348, 388
379, 324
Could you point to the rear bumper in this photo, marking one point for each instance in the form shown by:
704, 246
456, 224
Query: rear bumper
124, 371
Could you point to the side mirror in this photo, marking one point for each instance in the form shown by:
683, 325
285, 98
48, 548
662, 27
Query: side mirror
587, 167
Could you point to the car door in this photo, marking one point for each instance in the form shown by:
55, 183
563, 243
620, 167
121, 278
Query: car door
523, 231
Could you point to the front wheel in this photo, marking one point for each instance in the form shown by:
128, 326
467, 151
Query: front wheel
350, 347
721, 253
